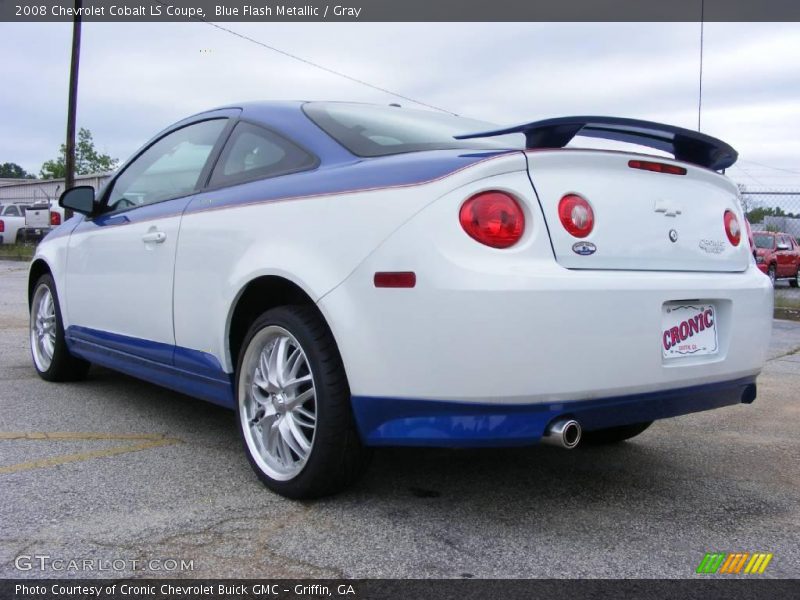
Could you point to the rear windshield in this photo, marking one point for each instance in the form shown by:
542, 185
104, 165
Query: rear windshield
764, 241
370, 130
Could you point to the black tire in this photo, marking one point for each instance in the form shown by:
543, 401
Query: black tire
796, 281
337, 457
772, 274
63, 365
614, 435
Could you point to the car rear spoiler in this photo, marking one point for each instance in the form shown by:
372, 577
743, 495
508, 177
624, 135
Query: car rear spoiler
684, 144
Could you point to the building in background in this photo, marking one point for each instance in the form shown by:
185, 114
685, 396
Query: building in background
39, 191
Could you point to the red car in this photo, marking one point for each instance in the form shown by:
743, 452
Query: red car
778, 255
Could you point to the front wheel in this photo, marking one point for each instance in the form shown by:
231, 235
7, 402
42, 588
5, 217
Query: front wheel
49, 351
614, 435
796, 281
294, 406
772, 274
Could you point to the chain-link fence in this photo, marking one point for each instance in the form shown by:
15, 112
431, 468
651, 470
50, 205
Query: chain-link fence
772, 209
774, 215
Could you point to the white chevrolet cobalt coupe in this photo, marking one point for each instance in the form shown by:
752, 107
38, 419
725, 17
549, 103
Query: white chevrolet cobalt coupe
347, 276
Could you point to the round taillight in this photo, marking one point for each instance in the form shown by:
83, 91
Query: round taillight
576, 215
493, 218
732, 228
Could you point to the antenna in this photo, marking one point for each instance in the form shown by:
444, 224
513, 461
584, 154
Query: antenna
700, 90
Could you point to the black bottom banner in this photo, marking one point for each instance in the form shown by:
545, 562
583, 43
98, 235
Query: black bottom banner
400, 589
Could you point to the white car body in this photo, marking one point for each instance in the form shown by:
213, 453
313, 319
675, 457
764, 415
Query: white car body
490, 345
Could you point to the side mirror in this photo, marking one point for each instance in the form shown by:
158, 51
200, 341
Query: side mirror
783, 247
80, 199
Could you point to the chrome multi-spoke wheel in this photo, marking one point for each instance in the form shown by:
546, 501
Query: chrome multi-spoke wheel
278, 403
51, 357
294, 405
43, 327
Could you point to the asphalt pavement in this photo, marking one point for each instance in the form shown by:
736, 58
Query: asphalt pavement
113, 469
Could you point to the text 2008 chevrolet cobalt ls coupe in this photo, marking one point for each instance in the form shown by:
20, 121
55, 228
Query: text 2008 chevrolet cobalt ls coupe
347, 276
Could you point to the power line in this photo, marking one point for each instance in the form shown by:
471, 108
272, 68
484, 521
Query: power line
746, 172
319, 66
792, 171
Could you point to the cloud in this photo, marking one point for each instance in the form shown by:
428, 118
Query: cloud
137, 78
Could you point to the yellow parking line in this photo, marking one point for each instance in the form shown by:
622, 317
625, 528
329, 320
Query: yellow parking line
148, 441
76, 435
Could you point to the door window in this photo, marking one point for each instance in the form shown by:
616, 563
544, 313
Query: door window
170, 168
253, 152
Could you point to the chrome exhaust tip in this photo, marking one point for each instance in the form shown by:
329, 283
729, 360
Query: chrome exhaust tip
564, 433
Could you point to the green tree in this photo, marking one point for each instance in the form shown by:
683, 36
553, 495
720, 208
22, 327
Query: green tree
11, 170
87, 159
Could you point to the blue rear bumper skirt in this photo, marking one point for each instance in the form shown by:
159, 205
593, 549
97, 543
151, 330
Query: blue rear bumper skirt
404, 422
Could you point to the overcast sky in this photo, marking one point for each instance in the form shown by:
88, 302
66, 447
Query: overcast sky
137, 78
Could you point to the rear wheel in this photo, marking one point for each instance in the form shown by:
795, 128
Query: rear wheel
796, 281
614, 435
772, 274
294, 406
49, 350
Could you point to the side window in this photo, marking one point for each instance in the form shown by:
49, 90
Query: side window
256, 153
170, 168
12, 211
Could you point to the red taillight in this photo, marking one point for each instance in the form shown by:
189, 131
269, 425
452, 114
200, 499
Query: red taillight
576, 215
2, 226
657, 167
732, 228
55, 218
493, 218
395, 279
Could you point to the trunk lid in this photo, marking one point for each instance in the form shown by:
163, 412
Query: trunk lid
644, 220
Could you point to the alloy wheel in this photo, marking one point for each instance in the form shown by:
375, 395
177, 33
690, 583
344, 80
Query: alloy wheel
278, 403
43, 327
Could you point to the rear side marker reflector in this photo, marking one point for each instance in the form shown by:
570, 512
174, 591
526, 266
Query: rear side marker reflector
656, 167
396, 279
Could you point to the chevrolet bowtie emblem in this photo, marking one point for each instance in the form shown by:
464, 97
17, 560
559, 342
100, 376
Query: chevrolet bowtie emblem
668, 208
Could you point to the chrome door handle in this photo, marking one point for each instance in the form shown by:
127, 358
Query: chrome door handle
154, 237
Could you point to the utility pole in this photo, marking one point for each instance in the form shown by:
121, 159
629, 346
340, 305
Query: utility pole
73, 97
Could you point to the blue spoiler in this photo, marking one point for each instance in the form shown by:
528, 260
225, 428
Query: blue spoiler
684, 144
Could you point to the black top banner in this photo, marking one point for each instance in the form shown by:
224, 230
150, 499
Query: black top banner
404, 10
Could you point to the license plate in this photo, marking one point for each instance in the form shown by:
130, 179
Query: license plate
688, 330
37, 231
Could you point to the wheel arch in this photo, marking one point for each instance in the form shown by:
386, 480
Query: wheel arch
257, 296
38, 268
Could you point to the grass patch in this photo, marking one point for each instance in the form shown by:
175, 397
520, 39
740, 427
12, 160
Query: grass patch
782, 301
17, 251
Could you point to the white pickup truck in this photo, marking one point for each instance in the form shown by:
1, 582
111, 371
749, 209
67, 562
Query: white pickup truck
12, 221
20, 223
